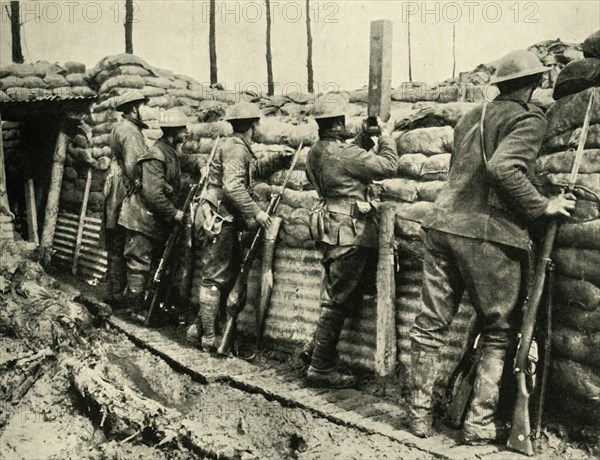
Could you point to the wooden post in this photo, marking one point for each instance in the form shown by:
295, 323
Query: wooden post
52, 204
6, 224
380, 69
32, 222
386, 347
84, 205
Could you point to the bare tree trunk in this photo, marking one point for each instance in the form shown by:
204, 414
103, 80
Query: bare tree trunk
309, 64
453, 50
15, 28
270, 85
212, 43
129, 26
409, 52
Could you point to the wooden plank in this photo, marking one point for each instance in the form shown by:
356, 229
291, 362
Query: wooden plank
52, 204
380, 69
84, 204
32, 222
386, 346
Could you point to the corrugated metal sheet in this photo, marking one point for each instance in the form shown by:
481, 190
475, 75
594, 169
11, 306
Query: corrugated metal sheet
92, 259
6, 229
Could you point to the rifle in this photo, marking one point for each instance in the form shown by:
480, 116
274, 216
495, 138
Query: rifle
460, 384
266, 280
520, 433
174, 237
236, 299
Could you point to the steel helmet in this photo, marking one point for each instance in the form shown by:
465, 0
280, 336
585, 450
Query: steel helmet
133, 95
322, 110
242, 111
173, 118
517, 64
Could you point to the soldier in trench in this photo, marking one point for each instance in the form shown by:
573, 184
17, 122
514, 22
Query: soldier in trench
127, 147
477, 240
345, 228
149, 212
227, 208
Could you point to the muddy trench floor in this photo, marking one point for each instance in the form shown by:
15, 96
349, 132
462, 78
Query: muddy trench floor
51, 420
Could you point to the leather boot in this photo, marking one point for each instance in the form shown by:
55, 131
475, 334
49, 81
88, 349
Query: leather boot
136, 284
422, 378
117, 281
210, 301
480, 425
327, 335
307, 351
330, 378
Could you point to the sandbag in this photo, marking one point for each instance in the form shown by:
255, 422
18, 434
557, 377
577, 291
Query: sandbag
428, 191
98, 152
591, 46
416, 212
562, 162
568, 113
54, 80
579, 293
577, 76
570, 139
133, 70
411, 164
117, 60
153, 91
297, 181
76, 79
577, 346
572, 317
101, 141
585, 210
590, 181
74, 67
159, 82
579, 235
122, 81
210, 130
395, 190
165, 102
428, 141
581, 264
103, 128
437, 115
33, 82
70, 174
276, 132
576, 378
406, 228
436, 167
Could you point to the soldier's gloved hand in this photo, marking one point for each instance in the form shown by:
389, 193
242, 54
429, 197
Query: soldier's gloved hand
263, 219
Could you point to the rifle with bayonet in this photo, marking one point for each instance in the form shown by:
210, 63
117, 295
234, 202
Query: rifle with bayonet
520, 434
166, 263
236, 300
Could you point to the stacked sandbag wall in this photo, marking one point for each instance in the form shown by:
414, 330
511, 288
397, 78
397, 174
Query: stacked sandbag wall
40, 80
575, 365
425, 145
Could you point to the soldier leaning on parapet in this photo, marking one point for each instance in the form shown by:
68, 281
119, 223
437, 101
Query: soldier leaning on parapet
127, 146
477, 240
345, 228
226, 208
149, 212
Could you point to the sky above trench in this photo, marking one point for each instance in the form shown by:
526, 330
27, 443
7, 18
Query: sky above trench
173, 34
